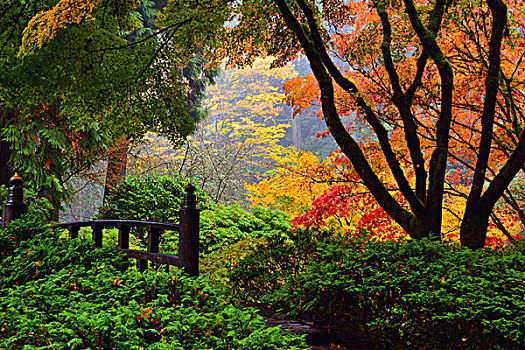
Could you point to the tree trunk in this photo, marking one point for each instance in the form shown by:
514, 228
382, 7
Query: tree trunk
116, 171
478, 207
6, 170
474, 229
296, 133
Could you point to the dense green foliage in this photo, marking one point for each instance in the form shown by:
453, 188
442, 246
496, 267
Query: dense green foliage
89, 70
78, 77
150, 198
159, 198
419, 294
228, 234
221, 226
60, 294
407, 294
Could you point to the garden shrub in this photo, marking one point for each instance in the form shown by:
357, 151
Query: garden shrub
220, 226
227, 235
269, 264
218, 264
61, 294
149, 198
415, 294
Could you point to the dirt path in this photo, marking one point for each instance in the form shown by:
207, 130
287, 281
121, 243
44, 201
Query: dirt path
314, 337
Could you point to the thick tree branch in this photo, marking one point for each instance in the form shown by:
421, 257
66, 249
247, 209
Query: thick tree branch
499, 15
403, 103
382, 134
348, 145
438, 161
502, 180
501, 227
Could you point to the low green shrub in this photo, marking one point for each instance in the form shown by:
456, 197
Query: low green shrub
150, 198
415, 294
61, 294
228, 234
218, 265
271, 263
221, 226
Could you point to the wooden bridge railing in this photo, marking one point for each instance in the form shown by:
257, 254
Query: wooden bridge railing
188, 229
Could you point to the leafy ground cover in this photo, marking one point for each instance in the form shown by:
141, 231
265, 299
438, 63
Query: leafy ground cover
60, 294
371, 293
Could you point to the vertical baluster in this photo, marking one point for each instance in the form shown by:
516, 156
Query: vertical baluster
97, 235
123, 236
123, 240
73, 231
153, 239
167, 267
142, 265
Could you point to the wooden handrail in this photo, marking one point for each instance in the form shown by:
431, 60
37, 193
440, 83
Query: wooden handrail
188, 229
118, 223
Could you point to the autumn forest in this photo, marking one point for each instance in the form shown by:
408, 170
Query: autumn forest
358, 167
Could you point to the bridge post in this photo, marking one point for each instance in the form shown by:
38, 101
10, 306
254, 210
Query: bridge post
15, 206
189, 233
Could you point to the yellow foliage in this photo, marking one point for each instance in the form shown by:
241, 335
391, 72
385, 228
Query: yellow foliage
44, 25
293, 184
252, 91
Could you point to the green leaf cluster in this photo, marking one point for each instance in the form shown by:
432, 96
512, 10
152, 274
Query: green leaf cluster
228, 234
150, 198
43, 154
61, 294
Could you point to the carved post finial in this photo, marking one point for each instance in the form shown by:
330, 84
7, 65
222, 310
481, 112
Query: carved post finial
190, 199
16, 180
15, 206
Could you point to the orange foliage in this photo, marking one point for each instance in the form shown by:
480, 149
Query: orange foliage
44, 26
464, 40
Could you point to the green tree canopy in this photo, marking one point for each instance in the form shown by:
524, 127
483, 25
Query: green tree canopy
82, 75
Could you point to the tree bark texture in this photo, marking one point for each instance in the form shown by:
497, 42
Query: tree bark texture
6, 170
116, 169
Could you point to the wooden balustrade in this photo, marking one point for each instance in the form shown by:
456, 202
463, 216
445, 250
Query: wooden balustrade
154, 229
188, 230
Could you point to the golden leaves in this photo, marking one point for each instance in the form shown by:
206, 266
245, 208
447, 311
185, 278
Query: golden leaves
44, 25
